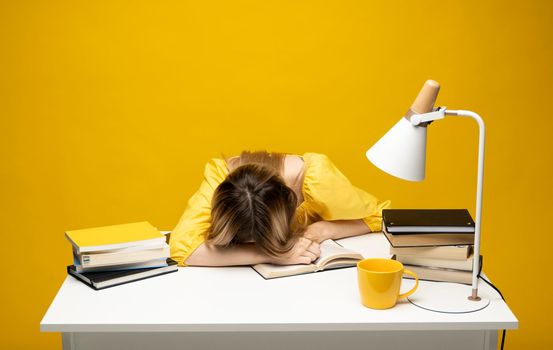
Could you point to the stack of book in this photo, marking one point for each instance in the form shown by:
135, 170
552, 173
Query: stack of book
436, 244
112, 255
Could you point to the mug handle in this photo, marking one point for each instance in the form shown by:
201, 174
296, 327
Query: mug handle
412, 289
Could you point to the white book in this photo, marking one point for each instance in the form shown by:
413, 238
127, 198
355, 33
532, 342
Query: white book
134, 266
332, 256
124, 256
455, 252
464, 265
439, 274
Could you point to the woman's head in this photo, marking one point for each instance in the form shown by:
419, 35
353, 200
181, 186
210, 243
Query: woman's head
253, 204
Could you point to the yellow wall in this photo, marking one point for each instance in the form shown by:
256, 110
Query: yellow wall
109, 110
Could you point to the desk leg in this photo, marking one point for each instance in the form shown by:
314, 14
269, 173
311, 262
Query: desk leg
68, 341
490, 340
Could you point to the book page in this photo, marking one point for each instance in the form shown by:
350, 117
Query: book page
338, 263
331, 250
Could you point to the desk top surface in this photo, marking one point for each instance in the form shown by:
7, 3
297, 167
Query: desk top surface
238, 299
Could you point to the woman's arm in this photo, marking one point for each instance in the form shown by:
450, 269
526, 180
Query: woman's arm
323, 230
304, 252
243, 254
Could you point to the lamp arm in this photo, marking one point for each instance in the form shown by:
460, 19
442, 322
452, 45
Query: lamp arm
481, 143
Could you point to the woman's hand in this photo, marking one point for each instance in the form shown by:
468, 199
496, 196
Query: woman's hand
304, 251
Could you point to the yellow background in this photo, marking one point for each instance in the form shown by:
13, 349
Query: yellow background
110, 109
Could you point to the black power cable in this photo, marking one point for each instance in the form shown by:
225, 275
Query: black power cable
503, 298
498, 291
491, 285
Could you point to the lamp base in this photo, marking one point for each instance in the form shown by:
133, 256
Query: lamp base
447, 297
474, 296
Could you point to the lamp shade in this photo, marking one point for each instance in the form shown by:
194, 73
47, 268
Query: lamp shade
401, 152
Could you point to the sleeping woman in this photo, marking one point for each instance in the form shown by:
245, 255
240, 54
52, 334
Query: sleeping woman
276, 208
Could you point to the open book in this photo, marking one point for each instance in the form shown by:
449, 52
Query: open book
333, 256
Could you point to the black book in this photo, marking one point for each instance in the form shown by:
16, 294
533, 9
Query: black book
105, 279
405, 221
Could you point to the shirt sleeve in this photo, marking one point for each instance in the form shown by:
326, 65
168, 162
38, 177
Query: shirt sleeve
195, 221
332, 196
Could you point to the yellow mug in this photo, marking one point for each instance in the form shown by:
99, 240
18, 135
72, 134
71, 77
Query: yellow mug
379, 282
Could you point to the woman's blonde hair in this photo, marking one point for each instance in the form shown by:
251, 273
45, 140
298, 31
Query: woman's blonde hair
253, 204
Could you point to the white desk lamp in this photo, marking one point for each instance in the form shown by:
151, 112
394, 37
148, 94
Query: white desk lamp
402, 152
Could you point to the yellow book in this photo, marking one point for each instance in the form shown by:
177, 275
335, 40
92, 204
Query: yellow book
115, 237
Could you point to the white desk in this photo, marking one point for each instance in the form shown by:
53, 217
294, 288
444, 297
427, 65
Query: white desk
234, 308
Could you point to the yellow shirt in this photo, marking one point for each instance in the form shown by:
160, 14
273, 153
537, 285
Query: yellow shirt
328, 195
